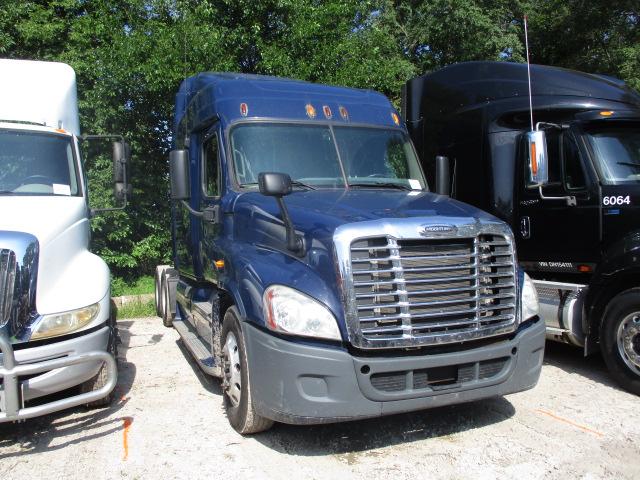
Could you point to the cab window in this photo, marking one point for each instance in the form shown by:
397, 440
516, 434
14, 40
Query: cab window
210, 170
573, 173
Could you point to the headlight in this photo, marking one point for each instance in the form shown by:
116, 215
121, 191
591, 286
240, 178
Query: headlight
529, 301
289, 311
65, 322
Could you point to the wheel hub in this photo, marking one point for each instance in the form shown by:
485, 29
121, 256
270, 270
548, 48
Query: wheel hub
629, 341
232, 381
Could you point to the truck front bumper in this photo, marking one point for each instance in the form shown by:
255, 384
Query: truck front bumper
303, 384
34, 372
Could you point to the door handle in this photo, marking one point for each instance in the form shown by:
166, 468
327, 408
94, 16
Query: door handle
525, 227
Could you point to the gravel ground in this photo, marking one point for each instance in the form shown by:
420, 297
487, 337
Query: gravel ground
168, 422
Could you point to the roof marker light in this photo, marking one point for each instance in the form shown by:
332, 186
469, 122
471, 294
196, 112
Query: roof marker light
606, 113
311, 111
327, 112
395, 117
244, 109
343, 113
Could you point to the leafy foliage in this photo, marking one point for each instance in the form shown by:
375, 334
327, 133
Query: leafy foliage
131, 55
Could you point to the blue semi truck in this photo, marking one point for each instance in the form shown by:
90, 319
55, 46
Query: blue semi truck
316, 275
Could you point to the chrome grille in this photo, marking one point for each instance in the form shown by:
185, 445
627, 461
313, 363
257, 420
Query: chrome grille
432, 291
8, 268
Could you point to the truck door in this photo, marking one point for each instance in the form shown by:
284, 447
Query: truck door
209, 247
553, 235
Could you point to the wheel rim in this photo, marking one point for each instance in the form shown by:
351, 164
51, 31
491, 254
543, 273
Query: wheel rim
232, 379
628, 340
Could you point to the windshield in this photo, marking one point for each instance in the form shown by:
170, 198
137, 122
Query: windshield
617, 152
36, 164
325, 156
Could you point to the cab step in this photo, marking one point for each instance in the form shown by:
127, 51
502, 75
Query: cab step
198, 349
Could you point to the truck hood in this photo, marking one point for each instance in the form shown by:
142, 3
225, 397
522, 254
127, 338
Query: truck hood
333, 208
44, 217
68, 275
317, 214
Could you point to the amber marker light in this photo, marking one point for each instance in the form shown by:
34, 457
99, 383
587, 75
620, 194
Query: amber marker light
219, 264
343, 112
244, 109
534, 159
395, 117
606, 113
327, 112
311, 111
61, 130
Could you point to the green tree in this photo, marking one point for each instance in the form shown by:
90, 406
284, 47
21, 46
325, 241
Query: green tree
436, 33
597, 36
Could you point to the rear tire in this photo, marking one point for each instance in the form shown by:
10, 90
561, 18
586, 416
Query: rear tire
236, 379
620, 339
100, 380
167, 317
158, 288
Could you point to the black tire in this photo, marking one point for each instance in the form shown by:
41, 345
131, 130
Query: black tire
158, 288
623, 308
240, 412
167, 317
100, 380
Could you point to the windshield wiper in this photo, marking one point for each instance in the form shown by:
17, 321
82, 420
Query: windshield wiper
397, 186
295, 183
298, 183
629, 164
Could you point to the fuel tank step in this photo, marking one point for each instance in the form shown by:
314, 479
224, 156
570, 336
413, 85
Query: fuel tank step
198, 349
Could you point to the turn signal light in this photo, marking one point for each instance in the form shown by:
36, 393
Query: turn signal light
534, 159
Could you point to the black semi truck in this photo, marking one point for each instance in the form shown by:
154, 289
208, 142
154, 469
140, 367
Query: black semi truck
572, 203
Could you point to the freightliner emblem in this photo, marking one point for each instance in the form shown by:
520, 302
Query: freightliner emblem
428, 230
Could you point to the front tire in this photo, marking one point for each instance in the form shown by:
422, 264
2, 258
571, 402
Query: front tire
100, 380
236, 380
620, 337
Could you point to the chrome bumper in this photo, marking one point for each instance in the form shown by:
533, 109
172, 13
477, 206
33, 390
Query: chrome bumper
11, 395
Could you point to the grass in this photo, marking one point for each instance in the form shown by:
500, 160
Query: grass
137, 309
139, 286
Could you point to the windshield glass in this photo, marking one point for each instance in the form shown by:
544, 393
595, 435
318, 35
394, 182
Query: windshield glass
36, 164
617, 152
321, 156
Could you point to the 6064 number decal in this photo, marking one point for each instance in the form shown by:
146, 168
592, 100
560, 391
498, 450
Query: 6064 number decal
616, 200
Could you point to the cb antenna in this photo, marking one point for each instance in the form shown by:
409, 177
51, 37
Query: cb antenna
526, 42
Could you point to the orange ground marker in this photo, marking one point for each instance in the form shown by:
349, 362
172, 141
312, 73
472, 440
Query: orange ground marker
581, 427
126, 423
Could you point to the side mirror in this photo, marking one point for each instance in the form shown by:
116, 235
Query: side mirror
537, 165
274, 184
443, 178
278, 185
179, 174
121, 155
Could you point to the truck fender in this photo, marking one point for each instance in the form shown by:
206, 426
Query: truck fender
252, 274
619, 270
